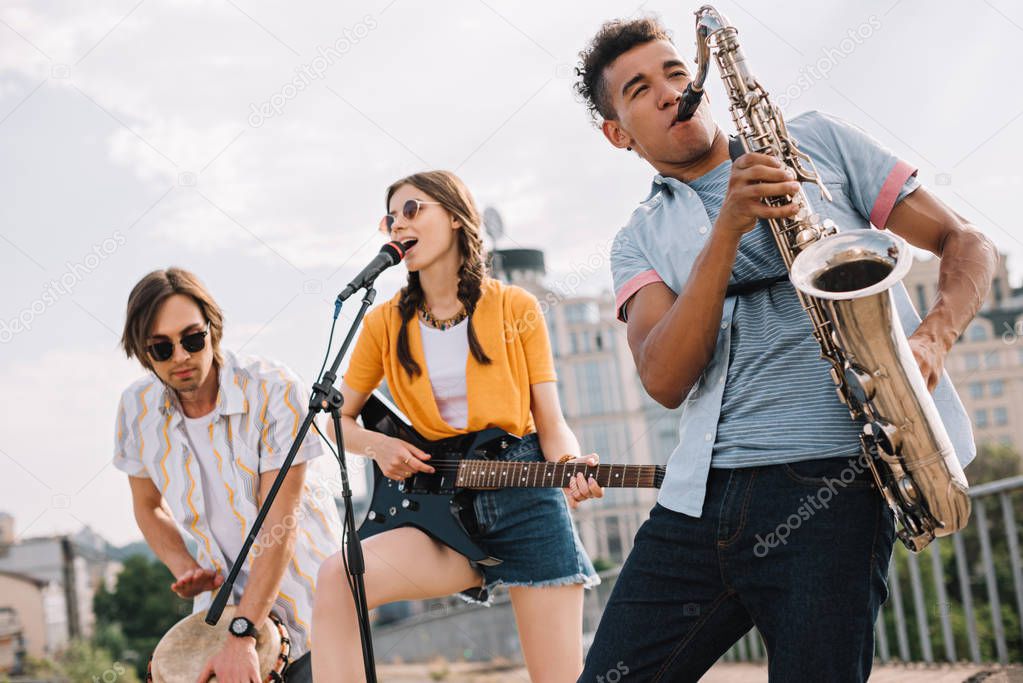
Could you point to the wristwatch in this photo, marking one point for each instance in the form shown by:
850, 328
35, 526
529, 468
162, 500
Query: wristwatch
242, 627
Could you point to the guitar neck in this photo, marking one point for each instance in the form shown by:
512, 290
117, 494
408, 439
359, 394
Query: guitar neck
486, 474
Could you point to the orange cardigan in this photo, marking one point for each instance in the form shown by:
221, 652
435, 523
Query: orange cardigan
511, 329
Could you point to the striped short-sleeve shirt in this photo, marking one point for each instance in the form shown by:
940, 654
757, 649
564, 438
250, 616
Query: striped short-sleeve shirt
260, 405
773, 373
730, 415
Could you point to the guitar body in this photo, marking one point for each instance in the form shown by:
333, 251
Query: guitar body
429, 502
441, 504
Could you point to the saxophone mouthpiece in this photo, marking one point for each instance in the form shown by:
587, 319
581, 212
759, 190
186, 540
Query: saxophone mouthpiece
689, 103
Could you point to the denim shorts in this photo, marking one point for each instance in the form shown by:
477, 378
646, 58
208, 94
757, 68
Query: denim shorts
531, 531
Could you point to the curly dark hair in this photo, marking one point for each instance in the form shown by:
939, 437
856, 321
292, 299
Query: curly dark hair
614, 39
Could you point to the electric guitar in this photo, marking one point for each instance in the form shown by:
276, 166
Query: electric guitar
440, 503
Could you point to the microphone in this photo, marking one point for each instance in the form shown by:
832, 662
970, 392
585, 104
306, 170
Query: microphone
390, 254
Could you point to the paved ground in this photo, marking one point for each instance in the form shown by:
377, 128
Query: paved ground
722, 673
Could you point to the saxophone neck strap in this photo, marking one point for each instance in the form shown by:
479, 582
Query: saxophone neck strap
750, 286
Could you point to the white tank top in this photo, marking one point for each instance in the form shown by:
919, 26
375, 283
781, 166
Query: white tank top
446, 354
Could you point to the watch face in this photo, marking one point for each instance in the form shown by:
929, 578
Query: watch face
238, 626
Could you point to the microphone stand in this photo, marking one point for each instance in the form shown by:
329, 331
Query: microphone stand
325, 398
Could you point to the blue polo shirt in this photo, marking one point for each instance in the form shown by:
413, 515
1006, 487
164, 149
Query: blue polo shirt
766, 397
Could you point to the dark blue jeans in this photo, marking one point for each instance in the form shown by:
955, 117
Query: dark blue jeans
799, 550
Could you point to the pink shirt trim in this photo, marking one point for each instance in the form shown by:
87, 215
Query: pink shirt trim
885, 201
637, 282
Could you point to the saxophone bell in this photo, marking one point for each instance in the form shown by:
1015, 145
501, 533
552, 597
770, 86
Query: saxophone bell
853, 275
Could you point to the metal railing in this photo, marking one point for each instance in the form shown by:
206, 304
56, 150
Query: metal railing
960, 599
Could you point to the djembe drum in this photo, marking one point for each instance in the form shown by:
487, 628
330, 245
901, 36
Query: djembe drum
183, 651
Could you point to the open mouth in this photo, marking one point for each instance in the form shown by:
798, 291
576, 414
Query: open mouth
409, 243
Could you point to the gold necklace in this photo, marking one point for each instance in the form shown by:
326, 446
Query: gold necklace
436, 322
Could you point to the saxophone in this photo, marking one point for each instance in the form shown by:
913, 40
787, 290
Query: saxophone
844, 283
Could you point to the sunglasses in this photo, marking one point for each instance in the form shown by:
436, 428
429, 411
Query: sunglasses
193, 342
409, 210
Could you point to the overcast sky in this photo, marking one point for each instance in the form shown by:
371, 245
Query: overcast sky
252, 141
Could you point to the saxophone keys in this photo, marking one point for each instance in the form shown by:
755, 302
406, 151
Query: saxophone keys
805, 237
908, 489
861, 384
887, 436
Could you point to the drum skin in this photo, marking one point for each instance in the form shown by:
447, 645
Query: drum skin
183, 651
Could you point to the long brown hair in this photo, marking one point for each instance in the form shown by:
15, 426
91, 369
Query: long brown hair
145, 300
449, 190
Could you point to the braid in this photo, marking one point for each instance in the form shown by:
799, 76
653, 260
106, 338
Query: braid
408, 304
470, 282
451, 193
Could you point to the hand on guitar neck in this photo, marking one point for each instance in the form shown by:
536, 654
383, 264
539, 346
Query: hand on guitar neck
582, 488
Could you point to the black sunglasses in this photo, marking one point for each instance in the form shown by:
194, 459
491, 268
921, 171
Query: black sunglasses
193, 342
409, 210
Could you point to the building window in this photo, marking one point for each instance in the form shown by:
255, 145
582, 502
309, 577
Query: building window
980, 418
976, 332
976, 390
997, 388
921, 299
1001, 416
582, 312
993, 359
972, 361
614, 540
592, 390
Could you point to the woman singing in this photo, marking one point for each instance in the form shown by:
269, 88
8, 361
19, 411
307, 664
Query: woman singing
461, 352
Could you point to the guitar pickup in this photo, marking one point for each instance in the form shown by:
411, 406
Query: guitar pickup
426, 483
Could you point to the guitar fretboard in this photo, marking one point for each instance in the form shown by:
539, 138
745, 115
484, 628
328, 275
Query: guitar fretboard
498, 474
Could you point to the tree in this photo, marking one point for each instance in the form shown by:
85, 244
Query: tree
993, 462
140, 610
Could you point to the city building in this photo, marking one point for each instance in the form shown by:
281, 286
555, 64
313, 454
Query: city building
986, 364
601, 395
47, 585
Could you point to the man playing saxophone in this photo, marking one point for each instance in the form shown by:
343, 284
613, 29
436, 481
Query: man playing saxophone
768, 514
